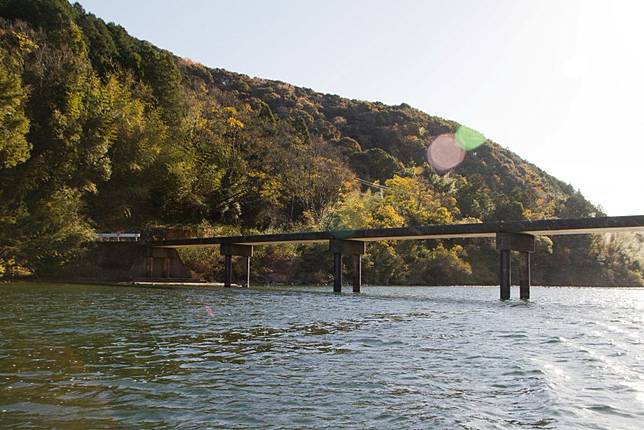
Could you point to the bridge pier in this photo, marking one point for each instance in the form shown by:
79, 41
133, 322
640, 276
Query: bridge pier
505, 244
132, 261
524, 279
505, 273
246, 271
337, 272
159, 263
356, 249
230, 249
228, 271
357, 272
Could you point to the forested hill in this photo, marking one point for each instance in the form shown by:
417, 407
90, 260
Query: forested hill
101, 131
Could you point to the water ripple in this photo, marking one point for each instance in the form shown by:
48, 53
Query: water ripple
75, 356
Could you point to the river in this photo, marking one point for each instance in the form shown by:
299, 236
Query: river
89, 356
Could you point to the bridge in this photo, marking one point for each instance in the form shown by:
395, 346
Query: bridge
510, 236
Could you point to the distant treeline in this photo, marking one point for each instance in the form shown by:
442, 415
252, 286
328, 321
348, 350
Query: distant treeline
100, 131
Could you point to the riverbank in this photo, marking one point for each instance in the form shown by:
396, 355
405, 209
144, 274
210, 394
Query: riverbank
118, 284
162, 283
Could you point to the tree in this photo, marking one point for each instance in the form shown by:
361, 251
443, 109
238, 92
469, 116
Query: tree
441, 266
124, 200
47, 240
346, 146
576, 206
374, 164
419, 204
14, 124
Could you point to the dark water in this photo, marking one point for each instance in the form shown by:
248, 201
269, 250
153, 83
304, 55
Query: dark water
119, 357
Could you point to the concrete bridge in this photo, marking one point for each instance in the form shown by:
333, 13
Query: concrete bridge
510, 236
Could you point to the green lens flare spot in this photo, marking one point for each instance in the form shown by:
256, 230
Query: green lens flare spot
468, 138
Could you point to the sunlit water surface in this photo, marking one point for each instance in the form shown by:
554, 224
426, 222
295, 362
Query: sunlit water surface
74, 356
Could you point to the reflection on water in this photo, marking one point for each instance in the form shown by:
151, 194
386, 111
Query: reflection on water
76, 356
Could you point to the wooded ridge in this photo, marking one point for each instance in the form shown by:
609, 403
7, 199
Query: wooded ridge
104, 132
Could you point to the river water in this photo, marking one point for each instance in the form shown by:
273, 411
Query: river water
79, 356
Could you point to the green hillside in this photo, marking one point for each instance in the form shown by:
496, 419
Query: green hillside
104, 132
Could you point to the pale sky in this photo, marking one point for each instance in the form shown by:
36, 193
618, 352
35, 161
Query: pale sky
559, 82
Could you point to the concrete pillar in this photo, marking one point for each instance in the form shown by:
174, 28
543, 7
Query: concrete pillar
230, 249
505, 244
228, 271
505, 270
357, 272
524, 279
350, 247
337, 272
247, 271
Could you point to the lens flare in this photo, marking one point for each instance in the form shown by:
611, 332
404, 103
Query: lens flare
444, 153
468, 138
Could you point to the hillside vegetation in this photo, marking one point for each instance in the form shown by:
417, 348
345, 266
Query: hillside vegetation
104, 132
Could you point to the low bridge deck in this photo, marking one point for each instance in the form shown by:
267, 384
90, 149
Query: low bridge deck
545, 227
510, 236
